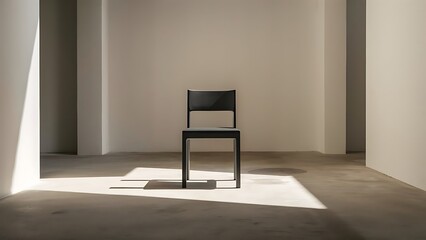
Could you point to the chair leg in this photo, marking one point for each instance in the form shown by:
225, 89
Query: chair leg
235, 159
188, 157
184, 162
238, 161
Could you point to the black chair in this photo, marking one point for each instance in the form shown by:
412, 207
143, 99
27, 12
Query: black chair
211, 101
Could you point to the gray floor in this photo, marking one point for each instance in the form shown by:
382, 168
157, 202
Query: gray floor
361, 203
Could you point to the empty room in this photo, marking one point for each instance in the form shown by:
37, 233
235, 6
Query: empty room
212, 119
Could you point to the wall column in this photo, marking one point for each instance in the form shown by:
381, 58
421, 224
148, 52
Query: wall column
335, 77
91, 83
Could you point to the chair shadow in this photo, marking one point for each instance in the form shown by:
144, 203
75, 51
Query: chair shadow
171, 184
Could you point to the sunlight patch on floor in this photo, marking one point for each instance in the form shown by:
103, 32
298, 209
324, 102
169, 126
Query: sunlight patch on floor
256, 189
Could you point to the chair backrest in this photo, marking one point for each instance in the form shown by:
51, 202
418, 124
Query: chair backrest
199, 100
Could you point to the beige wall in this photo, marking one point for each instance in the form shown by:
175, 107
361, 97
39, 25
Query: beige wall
58, 76
396, 112
19, 95
272, 52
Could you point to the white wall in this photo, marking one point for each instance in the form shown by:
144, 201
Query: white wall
272, 52
396, 112
58, 76
19, 95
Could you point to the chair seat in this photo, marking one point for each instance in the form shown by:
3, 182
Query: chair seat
211, 129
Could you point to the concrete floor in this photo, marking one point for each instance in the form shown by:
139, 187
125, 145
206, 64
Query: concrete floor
360, 203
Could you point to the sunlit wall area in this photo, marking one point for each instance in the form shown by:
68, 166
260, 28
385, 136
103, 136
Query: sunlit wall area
19, 95
396, 113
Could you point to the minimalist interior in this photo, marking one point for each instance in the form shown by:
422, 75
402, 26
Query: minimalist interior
317, 132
